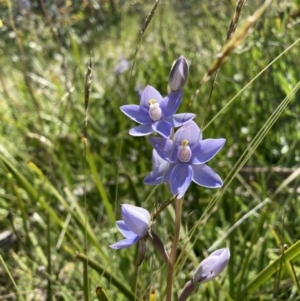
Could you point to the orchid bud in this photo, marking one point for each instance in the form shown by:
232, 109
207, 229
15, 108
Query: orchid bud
179, 74
208, 269
212, 266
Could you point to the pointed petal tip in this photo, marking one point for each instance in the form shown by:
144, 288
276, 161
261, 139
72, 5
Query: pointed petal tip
141, 130
124, 243
180, 179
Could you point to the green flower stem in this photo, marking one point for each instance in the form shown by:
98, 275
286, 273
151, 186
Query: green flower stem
265, 274
171, 264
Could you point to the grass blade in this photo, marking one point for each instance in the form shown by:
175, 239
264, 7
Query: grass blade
265, 274
102, 270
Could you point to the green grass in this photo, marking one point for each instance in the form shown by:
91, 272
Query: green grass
58, 198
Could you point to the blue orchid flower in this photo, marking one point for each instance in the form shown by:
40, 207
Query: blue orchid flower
156, 114
185, 159
134, 226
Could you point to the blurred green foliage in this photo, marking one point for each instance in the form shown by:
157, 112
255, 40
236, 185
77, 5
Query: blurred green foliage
50, 192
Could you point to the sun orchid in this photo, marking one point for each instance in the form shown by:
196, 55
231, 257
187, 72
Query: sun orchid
134, 226
185, 158
155, 113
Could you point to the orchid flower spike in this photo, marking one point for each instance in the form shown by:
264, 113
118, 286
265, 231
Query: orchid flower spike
134, 226
212, 266
182, 160
156, 114
179, 74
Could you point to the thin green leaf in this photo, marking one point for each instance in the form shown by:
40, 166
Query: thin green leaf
265, 274
107, 204
103, 271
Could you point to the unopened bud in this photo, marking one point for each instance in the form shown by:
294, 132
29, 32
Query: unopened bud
208, 269
212, 266
179, 74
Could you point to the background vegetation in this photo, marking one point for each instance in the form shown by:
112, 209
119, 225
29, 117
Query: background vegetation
58, 197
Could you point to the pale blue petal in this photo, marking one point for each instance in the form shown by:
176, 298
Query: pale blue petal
158, 175
206, 150
204, 272
148, 94
125, 243
141, 130
164, 147
156, 159
124, 229
137, 113
206, 176
223, 258
137, 219
170, 103
181, 119
189, 131
180, 179
212, 266
163, 127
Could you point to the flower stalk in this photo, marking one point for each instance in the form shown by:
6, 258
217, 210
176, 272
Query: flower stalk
171, 264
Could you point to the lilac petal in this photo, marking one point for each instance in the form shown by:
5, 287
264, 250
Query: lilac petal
204, 272
212, 266
206, 150
156, 159
137, 113
163, 127
159, 175
124, 229
141, 130
148, 94
136, 219
221, 263
125, 243
165, 148
206, 176
179, 74
189, 131
180, 179
181, 119
170, 103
